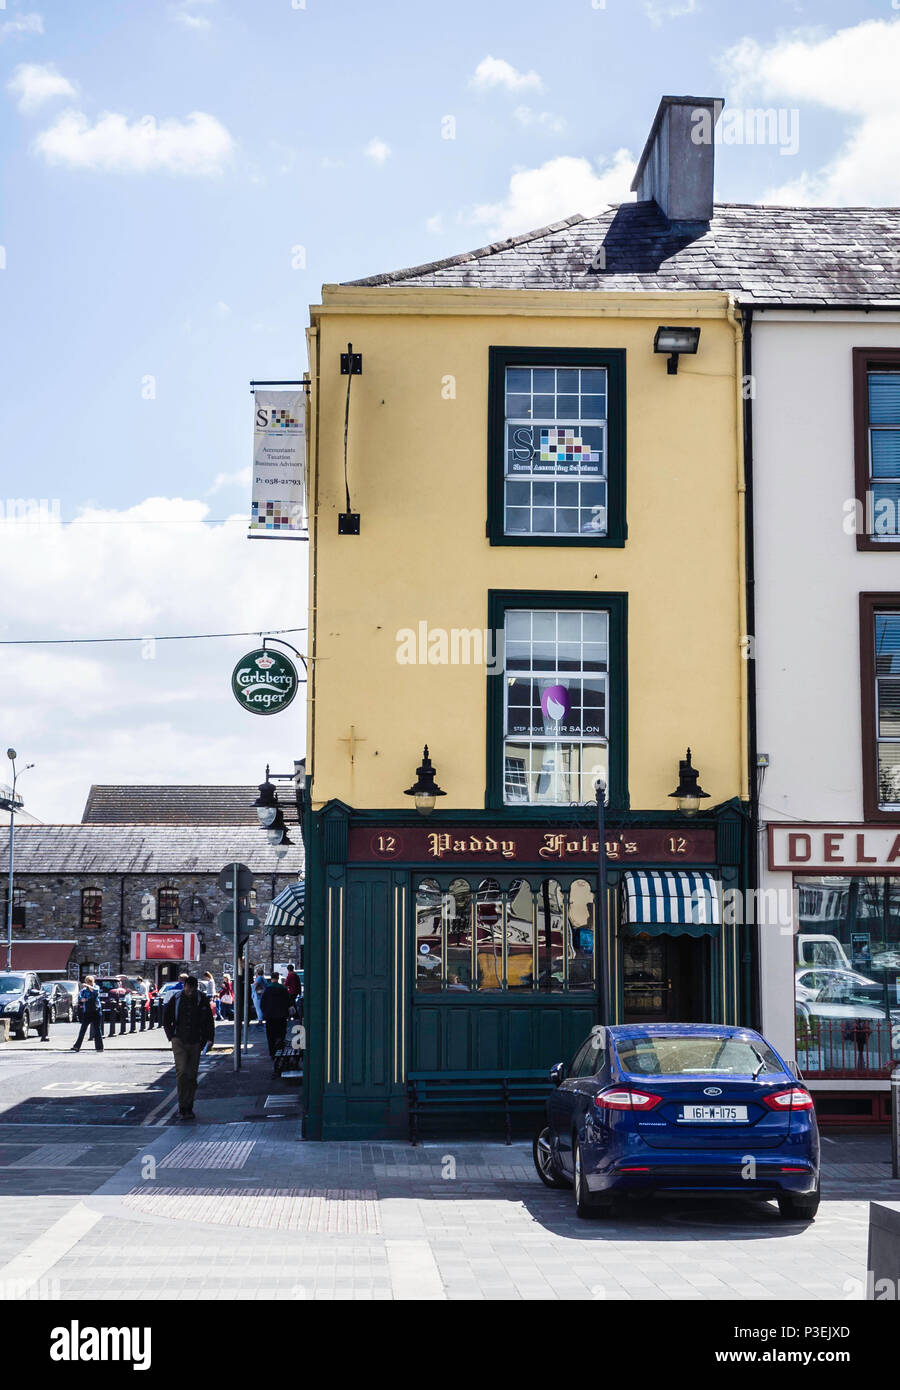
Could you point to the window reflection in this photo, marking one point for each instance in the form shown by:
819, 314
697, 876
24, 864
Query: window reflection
520, 936
481, 935
458, 928
847, 976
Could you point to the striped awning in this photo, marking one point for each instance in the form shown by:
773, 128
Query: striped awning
672, 904
287, 912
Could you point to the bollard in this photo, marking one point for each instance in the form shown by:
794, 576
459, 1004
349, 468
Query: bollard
895, 1122
123, 1017
143, 1012
112, 1021
132, 1016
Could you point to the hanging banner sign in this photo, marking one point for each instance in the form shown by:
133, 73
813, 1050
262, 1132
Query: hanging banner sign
278, 505
264, 682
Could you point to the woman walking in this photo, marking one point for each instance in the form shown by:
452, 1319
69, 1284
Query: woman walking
91, 1014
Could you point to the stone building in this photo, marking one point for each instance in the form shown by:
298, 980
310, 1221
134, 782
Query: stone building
139, 896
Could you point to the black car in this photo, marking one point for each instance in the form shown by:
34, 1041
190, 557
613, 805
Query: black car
22, 1001
62, 996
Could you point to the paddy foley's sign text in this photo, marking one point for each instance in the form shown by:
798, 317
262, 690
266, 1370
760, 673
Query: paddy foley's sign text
418, 845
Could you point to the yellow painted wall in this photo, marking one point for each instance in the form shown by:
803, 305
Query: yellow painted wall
418, 473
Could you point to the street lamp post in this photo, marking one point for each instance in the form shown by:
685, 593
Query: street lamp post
10, 804
602, 952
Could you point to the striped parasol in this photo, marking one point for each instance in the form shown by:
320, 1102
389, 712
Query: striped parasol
287, 912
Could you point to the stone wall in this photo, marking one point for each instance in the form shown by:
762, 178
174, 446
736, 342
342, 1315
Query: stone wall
53, 913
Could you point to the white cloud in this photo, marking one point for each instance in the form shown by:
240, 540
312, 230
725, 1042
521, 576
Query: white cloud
526, 116
435, 224
135, 711
24, 24
377, 150
36, 83
658, 11
557, 189
852, 72
241, 478
199, 145
184, 13
497, 72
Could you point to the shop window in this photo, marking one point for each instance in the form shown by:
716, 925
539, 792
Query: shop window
476, 936
557, 447
557, 714
847, 976
876, 395
167, 913
91, 909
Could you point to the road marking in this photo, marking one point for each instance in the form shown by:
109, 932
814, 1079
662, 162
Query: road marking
51, 1155
37, 1258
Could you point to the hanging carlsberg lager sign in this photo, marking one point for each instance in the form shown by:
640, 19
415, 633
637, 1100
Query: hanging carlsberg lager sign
278, 505
264, 682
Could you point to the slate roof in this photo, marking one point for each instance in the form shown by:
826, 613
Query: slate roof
147, 849
763, 255
167, 805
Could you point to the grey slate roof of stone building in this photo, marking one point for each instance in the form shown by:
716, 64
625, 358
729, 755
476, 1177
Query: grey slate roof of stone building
170, 805
763, 255
147, 849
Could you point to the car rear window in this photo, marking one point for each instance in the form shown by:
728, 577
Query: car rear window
675, 1055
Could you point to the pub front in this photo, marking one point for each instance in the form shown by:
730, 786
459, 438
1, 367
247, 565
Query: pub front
473, 944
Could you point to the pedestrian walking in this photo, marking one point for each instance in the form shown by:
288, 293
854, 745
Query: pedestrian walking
293, 986
226, 998
91, 1014
208, 987
188, 1022
275, 1004
259, 985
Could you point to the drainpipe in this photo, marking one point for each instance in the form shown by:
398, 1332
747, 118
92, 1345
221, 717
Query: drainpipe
752, 972
121, 923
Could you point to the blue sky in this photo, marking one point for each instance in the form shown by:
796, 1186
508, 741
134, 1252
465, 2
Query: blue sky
151, 269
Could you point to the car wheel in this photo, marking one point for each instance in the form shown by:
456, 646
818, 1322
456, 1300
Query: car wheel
20, 1029
544, 1162
26, 1023
795, 1208
52, 1012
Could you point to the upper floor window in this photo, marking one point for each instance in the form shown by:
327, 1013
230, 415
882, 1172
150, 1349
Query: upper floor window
880, 681
167, 916
556, 451
91, 907
877, 430
558, 711
18, 911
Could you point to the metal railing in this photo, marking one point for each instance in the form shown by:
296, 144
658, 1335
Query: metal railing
845, 1048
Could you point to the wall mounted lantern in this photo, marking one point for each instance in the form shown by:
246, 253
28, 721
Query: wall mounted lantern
425, 788
688, 793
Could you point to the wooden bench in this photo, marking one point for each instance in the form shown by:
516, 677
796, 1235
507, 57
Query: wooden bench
474, 1092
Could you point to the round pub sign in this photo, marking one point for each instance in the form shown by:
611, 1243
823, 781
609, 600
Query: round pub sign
264, 682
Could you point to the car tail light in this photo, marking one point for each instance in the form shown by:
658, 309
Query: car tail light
793, 1099
634, 1169
624, 1099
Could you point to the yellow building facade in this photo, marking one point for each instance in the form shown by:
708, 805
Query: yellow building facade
486, 937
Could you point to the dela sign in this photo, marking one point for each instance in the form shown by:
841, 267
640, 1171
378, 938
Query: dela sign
264, 682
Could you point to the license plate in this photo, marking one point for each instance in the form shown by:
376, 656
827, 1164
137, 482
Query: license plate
714, 1114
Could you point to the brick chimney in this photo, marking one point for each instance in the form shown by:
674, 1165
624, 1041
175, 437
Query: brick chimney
677, 167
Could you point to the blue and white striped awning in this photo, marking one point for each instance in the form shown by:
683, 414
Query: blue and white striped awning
672, 904
287, 912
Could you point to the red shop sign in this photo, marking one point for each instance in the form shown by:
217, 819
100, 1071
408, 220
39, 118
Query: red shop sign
440, 845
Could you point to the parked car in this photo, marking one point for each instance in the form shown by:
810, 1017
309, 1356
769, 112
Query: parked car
62, 996
22, 1001
688, 1108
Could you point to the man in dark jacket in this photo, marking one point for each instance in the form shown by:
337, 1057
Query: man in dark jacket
188, 1021
91, 1015
275, 1004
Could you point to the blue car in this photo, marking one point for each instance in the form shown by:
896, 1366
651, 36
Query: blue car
680, 1109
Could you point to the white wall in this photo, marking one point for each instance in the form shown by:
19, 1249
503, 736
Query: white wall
809, 575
